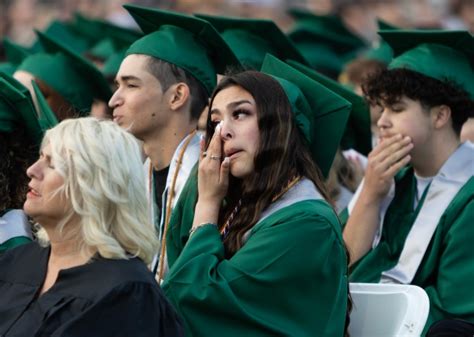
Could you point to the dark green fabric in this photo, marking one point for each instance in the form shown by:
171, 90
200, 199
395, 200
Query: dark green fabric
96, 30
325, 113
66, 34
324, 41
182, 218
112, 64
106, 38
188, 42
251, 39
321, 57
103, 49
440, 54
223, 297
357, 135
7, 68
14, 52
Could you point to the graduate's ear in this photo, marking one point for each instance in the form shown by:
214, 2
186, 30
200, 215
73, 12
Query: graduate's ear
179, 95
441, 115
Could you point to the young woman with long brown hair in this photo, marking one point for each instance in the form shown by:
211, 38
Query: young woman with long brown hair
265, 256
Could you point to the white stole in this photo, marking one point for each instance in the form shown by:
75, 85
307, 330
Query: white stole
13, 224
190, 158
452, 176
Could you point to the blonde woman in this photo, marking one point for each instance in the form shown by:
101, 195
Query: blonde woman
88, 275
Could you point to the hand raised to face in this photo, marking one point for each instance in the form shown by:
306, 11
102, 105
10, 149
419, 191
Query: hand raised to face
213, 176
385, 160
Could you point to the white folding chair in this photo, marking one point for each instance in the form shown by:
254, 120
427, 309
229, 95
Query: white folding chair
388, 310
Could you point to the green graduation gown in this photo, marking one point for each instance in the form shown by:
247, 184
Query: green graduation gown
446, 271
289, 278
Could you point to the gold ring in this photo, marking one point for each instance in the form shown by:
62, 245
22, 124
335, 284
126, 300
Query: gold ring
204, 154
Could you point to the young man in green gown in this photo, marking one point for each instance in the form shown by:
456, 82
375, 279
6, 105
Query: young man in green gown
163, 85
410, 222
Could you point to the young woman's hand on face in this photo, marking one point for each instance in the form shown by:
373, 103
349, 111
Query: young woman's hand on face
385, 160
213, 176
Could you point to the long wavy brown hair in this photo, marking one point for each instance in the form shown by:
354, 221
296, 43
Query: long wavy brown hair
282, 155
17, 153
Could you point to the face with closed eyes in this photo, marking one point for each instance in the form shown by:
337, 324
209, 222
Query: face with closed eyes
139, 104
408, 118
236, 110
43, 203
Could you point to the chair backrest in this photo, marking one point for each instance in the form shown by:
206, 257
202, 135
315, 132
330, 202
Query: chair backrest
388, 310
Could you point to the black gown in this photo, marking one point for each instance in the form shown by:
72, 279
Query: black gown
102, 298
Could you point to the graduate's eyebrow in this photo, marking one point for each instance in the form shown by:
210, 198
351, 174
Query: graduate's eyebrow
126, 78
231, 105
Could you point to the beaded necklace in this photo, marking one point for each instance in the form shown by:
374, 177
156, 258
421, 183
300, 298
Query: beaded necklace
225, 229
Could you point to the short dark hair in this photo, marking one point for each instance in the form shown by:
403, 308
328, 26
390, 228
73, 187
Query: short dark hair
389, 85
169, 74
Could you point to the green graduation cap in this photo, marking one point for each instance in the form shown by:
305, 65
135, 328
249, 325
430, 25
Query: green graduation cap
14, 52
322, 58
102, 49
46, 117
326, 29
382, 52
319, 112
67, 35
357, 135
324, 41
252, 39
72, 76
112, 64
7, 68
17, 109
440, 54
186, 41
106, 38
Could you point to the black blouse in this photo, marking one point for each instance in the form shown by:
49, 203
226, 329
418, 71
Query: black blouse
102, 298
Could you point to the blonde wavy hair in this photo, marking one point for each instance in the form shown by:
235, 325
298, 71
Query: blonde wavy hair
105, 184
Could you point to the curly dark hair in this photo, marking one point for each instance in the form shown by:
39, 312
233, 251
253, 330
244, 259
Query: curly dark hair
389, 85
17, 153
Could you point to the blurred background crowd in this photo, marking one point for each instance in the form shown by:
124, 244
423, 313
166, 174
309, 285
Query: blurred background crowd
19, 18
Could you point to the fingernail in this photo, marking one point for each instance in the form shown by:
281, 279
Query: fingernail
226, 160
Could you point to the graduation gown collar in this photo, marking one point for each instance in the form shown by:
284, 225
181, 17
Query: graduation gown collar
303, 190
